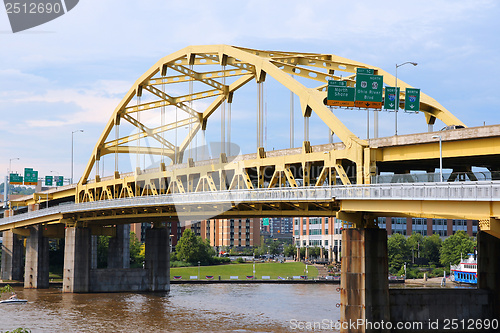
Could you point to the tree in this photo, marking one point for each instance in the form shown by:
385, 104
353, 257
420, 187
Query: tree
136, 257
102, 251
398, 252
274, 248
191, 248
432, 247
416, 243
455, 247
5, 289
290, 250
314, 251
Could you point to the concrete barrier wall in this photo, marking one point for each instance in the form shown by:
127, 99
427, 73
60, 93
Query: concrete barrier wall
118, 279
439, 306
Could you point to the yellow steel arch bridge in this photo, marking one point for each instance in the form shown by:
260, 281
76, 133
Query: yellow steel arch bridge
219, 71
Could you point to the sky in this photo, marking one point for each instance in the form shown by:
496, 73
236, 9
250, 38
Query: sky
70, 73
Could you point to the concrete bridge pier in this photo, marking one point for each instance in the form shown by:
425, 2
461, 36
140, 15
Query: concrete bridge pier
488, 276
12, 257
36, 271
158, 258
119, 248
364, 283
77, 260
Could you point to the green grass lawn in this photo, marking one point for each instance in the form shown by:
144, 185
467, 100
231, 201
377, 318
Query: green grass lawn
273, 270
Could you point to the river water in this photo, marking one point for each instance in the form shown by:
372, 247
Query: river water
187, 308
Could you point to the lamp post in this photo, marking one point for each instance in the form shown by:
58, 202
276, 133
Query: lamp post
397, 97
72, 133
198, 270
7, 182
440, 156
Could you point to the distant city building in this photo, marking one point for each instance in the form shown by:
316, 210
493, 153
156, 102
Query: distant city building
427, 226
277, 226
326, 232
140, 231
238, 233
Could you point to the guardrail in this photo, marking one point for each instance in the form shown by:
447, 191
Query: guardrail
465, 191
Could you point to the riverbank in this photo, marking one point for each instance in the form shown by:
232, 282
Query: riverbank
217, 281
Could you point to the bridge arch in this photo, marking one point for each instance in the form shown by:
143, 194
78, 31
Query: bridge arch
241, 66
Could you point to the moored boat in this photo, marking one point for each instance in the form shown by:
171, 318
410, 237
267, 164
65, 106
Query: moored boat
465, 271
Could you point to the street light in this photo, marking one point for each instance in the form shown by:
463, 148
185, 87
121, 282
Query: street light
198, 270
72, 133
7, 183
440, 156
397, 97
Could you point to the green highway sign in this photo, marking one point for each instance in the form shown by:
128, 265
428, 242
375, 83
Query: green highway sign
412, 99
265, 221
48, 180
30, 176
59, 180
364, 71
339, 94
369, 91
15, 179
391, 102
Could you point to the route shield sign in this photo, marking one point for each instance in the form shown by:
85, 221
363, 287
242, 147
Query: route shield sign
30, 176
390, 102
15, 179
59, 180
412, 99
369, 91
48, 180
339, 94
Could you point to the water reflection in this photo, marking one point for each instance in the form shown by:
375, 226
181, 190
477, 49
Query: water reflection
187, 308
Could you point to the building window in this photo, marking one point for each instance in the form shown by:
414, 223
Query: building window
398, 225
381, 222
440, 227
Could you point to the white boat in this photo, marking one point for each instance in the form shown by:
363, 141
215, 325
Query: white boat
14, 301
466, 271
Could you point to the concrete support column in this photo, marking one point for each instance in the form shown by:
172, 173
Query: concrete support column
298, 254
321, 253
77, 258
36, 271
157, 260
330, 253
307, 253
488, 273
12, 257
119, 248
93, 251
364, 282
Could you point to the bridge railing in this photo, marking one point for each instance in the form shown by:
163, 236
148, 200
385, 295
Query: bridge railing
435, 177
463, 191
